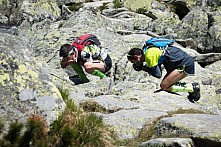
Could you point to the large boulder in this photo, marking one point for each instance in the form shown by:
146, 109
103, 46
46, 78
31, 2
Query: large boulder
40, 10
26, 85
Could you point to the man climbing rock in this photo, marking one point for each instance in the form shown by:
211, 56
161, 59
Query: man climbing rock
87, 52
177, 63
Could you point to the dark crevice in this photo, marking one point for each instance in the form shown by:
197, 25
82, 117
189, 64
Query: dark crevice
202, 64
74, 6
199, 142
210, 20
181, 9
115, 72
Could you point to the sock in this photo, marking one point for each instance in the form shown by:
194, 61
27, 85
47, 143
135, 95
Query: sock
182, 87
99, 73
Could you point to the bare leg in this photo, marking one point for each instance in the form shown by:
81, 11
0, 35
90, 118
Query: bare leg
171, 79
90, 66
95, 68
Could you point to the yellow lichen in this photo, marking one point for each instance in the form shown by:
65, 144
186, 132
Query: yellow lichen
3, 62
54, 89
19, 79
53, 34
33, 74
134, 5
4, 77
22, 68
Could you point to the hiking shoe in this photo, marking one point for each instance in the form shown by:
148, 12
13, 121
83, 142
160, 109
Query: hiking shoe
195, 95
76, 79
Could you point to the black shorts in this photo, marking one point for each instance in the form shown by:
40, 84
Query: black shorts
177, 59
190, 69
107, 63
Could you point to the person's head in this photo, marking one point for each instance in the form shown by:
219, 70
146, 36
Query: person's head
67, 50
136, 56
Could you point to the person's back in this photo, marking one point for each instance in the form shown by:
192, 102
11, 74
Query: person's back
96, 58
93, 52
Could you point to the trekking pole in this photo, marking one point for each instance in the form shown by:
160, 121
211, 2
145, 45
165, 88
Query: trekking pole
58, 77
159, 90
52, 56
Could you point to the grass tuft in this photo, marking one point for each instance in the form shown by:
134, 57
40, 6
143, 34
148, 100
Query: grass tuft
101, 8
74, 127
117, 4
90, 106
141, 11
13, 135
75, 6
36, 131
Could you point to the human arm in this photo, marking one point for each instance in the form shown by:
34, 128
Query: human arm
154, 71
152, 57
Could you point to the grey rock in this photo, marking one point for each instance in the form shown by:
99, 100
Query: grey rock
128, 123
205, 126
27, 94
168, 142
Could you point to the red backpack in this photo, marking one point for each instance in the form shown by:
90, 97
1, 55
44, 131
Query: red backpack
84, 40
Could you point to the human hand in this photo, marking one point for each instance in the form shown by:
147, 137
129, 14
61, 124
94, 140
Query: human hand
68, 60
72, 58
138, 67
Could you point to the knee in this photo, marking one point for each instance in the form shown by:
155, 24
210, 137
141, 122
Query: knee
164, 86
87, 67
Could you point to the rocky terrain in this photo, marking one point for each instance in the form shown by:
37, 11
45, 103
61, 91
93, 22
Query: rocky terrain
30, 77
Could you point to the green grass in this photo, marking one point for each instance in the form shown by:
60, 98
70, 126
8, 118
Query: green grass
34, 134
141, 11
90, 106
12, 137
74, 127
102, 7
117, 4
75, 6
